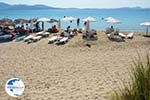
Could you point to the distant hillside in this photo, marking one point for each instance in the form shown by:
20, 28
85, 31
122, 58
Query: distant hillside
4, 6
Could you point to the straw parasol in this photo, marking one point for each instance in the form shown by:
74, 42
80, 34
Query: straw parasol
53, 21
6, 22
20, 21
32, 20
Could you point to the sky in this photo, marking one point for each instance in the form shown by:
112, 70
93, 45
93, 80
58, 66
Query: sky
84, 3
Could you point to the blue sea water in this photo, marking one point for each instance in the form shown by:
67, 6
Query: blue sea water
130, 19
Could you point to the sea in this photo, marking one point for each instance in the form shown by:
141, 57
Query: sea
130, 18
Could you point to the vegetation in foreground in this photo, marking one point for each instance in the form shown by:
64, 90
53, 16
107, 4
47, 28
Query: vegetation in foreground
139, 87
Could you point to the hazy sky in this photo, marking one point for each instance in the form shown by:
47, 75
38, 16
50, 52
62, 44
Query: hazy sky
84, 3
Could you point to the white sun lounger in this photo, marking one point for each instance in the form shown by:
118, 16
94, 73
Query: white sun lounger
65, 39
39, 33
46, 34
28, 37
54, 39
43, 34
130, 35
37, 38
62, 41
122, 35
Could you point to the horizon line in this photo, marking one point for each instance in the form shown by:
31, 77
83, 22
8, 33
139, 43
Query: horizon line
78, 7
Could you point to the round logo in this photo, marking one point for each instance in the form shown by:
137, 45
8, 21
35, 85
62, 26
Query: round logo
14, 87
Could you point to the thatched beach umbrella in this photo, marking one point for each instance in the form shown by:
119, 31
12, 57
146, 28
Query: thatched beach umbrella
6, 22
21, 21
53, 21
32, 20
146, 24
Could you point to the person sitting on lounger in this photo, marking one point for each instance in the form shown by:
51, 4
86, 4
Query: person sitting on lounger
62, 34
68, 29
110, 30
54, 29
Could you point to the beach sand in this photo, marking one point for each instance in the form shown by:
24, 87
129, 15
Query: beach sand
71, 71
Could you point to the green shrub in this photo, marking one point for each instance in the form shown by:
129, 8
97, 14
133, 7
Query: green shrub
139, 87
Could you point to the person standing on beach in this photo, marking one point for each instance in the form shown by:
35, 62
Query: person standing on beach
42, 26
78, 22
27, 29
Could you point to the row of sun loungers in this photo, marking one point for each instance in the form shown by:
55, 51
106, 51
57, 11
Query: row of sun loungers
58, 40
120, 37
36, 37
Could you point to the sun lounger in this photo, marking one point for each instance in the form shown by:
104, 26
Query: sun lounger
53, 39
115, 38
6, 38
28, 38
20, 38
46, 34
39, 33
36, 38
43, 34
130, 35
122, 35
62, 41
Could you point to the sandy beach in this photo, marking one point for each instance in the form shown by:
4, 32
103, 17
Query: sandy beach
71, 71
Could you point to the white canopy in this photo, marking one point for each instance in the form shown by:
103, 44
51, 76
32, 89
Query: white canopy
145, 24
90, 19
67, 19
112, 20
43, 19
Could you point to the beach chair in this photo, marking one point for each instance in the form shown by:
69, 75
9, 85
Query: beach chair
46, 34
36, 38
122, 35
52, 39
28, 38
130, 35
5, 38
20, 38
115, 38
39, 33
62, 41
